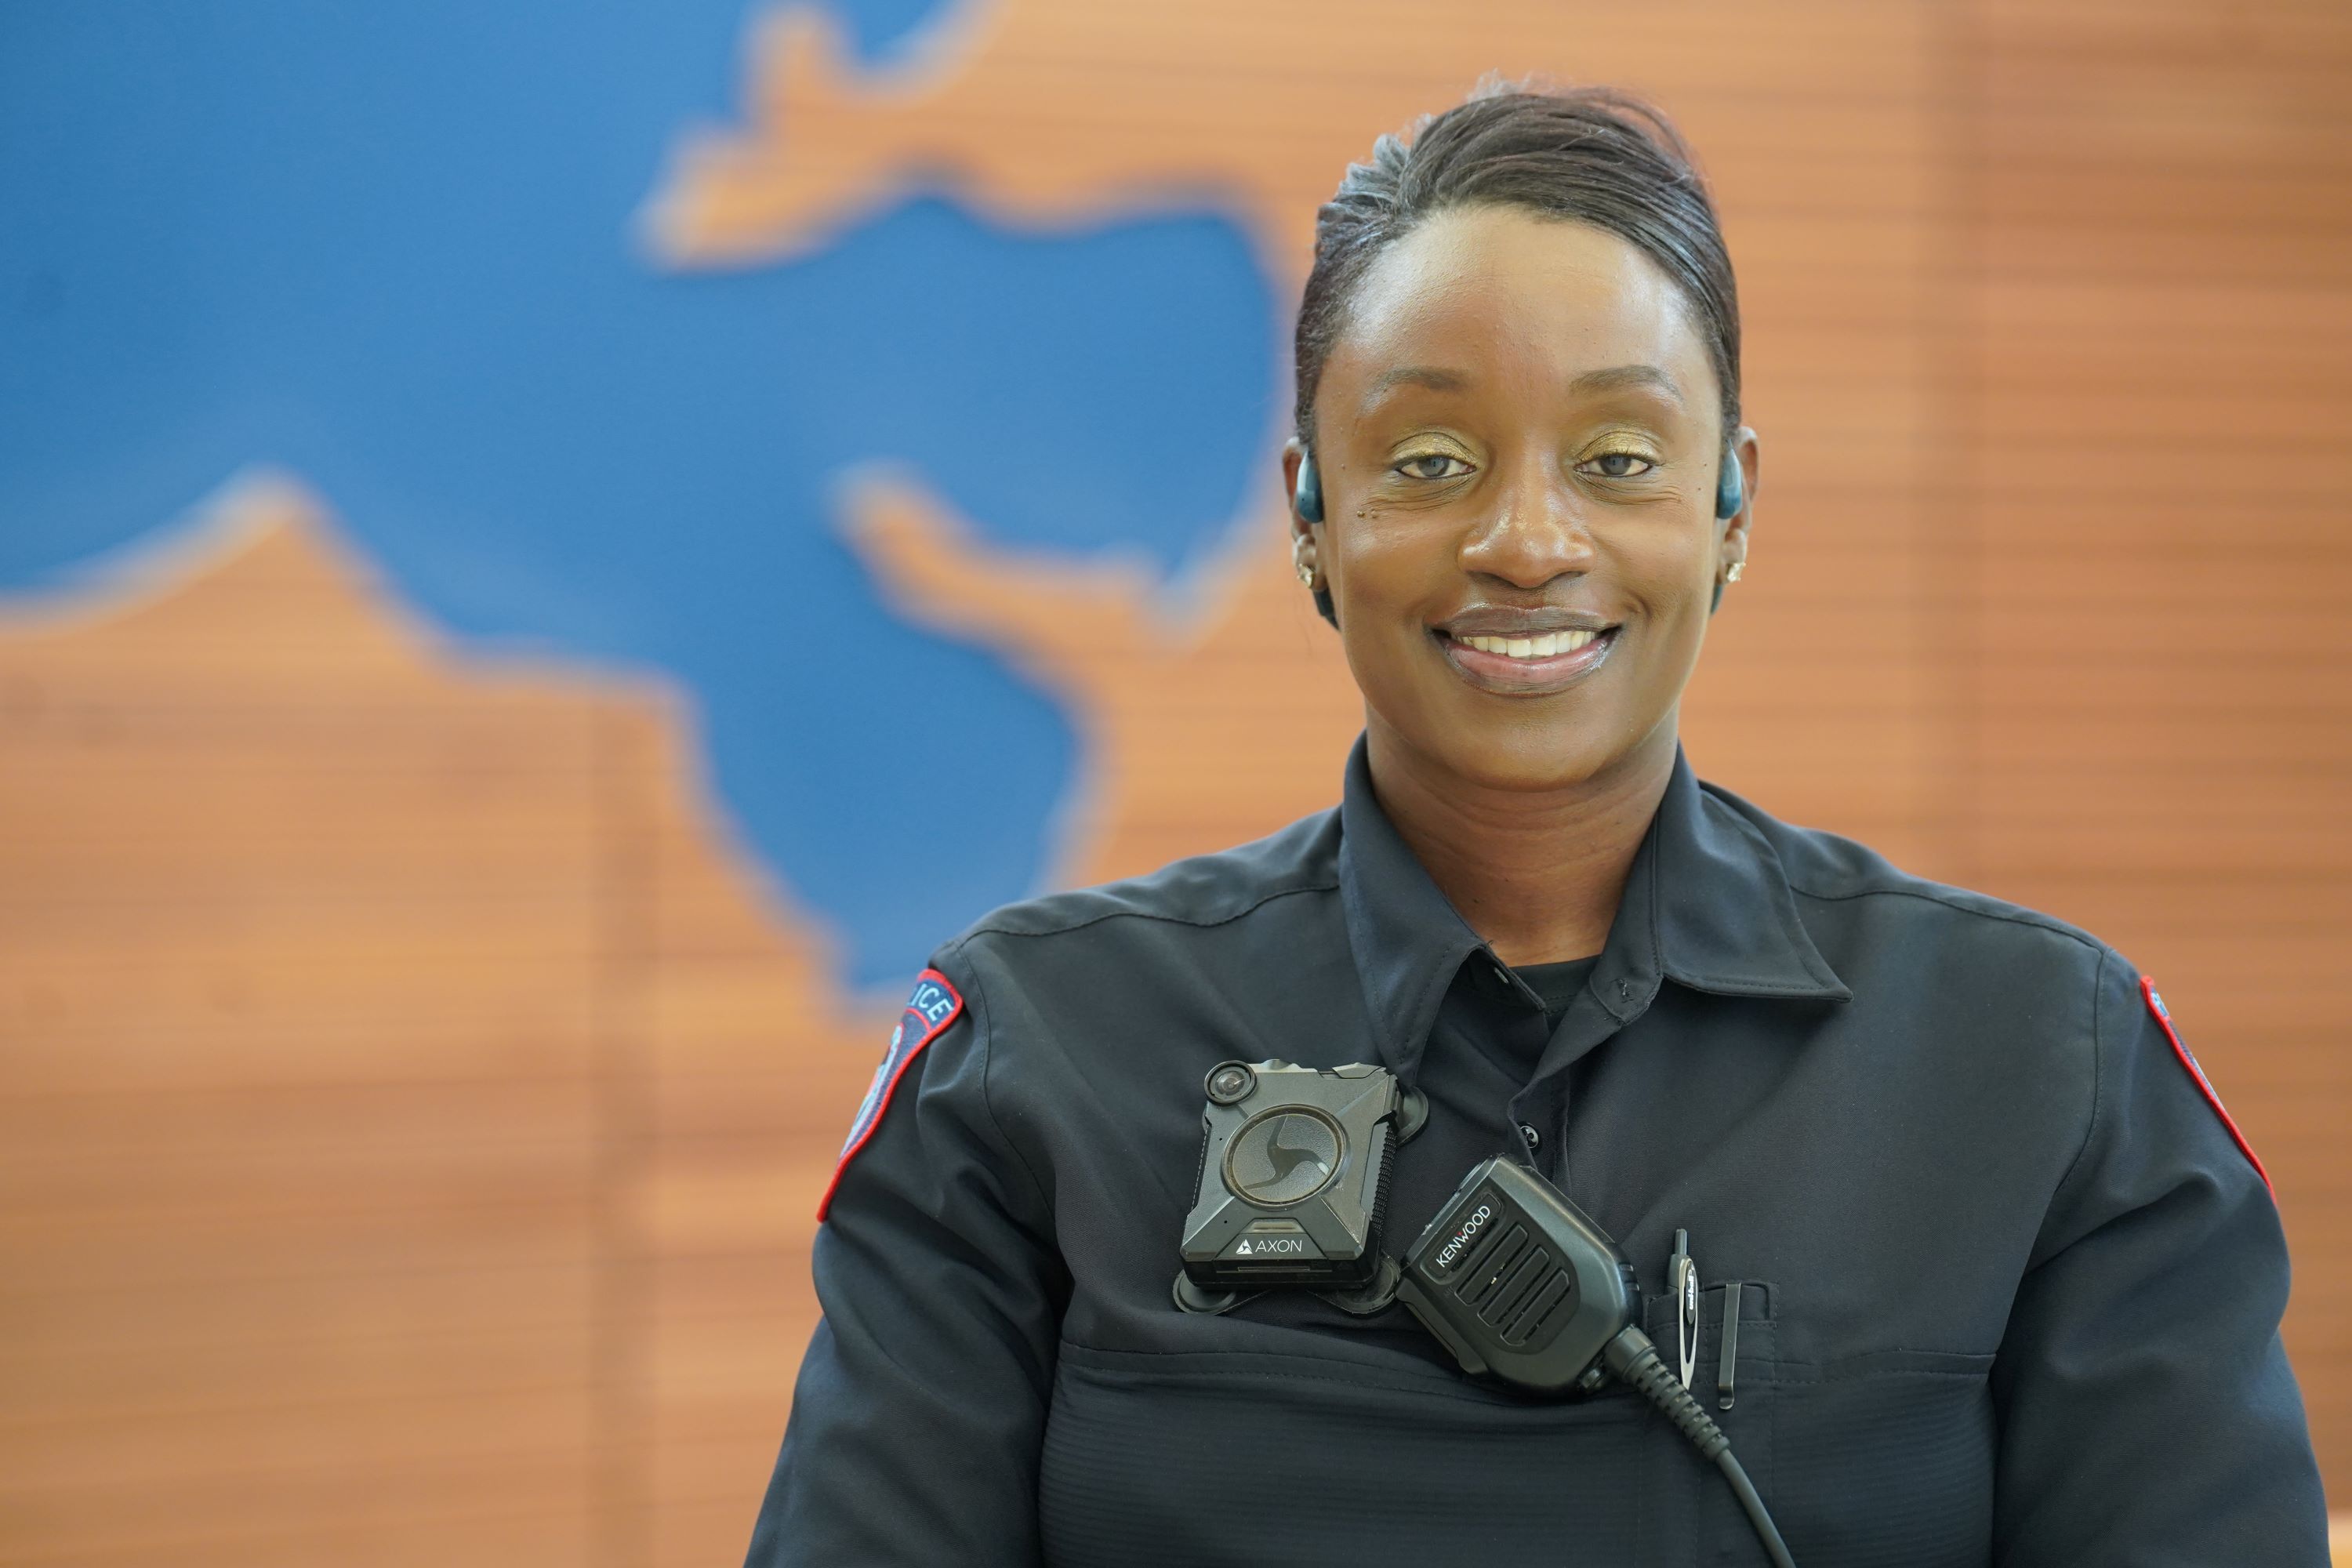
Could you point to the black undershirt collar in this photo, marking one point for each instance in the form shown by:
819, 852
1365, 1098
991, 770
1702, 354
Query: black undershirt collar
1557, 984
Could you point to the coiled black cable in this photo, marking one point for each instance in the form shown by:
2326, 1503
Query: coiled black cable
1631, 1356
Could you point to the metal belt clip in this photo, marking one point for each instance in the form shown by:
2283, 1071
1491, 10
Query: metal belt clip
1726, 1347
1681, 1279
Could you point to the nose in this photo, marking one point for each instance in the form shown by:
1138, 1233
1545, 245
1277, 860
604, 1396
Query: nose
1536, 529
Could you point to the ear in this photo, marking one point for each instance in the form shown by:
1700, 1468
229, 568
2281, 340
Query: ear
1303, 535
1306, 533
1733, 544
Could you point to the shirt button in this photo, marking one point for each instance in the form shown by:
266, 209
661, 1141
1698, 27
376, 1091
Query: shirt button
1624, 991
1533, 1139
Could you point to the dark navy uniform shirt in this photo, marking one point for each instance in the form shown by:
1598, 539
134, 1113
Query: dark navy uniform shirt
2009, 1286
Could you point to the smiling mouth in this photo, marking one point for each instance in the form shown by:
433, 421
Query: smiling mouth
1527, 666
1531, 648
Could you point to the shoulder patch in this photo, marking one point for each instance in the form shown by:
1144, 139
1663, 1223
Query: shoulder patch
933, 1007
2204, 1084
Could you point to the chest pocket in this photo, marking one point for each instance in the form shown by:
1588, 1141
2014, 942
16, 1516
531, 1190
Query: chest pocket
1309, 1438
1735, 1379
1322, 1453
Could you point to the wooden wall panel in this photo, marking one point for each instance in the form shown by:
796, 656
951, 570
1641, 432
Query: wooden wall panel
300, 1236
2157, 382
411, 1100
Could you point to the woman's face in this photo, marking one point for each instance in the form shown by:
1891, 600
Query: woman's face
1518, 434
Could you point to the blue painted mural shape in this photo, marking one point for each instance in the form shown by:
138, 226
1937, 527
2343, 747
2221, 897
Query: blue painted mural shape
391, 249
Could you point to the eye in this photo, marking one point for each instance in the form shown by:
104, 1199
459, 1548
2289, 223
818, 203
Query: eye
1433, 466
1620, 465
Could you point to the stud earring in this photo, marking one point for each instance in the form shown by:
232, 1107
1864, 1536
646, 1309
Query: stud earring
1733, 576
1306, 573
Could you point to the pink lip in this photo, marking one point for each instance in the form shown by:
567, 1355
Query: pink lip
1507, 677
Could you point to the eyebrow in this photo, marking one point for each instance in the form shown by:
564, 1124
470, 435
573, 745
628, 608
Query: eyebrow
1622, 375
1429, 375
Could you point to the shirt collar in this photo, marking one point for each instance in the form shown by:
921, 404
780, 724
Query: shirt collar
1706, 905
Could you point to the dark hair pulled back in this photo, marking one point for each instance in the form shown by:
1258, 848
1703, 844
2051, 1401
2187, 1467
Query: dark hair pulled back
1589, 155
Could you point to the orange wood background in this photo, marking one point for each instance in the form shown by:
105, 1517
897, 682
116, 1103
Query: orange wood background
412, 1101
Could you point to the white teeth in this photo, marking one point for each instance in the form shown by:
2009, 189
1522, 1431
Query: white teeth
1531, 648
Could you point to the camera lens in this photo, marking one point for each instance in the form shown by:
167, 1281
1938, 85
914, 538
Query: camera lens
1282, 1157
1229, 1082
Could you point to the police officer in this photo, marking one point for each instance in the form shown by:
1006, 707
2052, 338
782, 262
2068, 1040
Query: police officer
1985, 1273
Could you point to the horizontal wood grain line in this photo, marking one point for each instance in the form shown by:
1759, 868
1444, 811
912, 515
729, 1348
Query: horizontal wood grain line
530, 1497
109, 1384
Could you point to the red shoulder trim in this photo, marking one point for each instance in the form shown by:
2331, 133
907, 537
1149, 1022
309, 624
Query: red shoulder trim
934, 1005
2204, 1085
